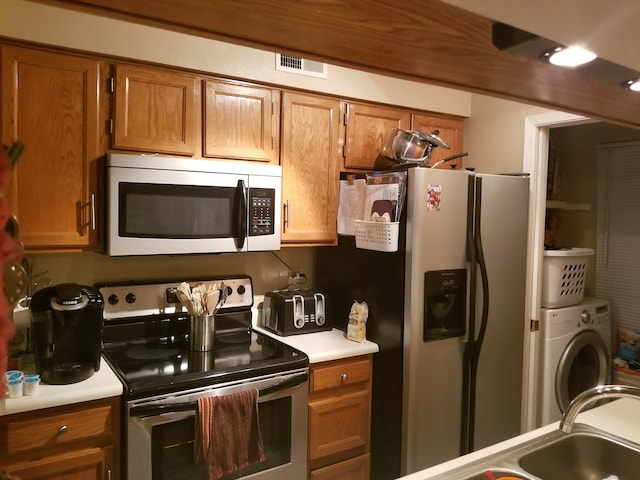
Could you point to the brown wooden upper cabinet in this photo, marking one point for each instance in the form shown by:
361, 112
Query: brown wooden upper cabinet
450, 129
156, 110
241, 122
310, 159
51, 103
368, 127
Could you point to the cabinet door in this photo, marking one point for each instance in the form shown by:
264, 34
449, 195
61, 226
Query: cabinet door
368, 127
51, 104
339, 417
310, 169
339, 424
86, 464
450, 130
155, 110
241, 122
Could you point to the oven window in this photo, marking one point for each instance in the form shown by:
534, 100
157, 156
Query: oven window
172, 444
175, 211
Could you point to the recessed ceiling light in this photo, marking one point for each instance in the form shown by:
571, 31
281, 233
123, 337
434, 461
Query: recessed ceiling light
633, 85
529, 45
569, 56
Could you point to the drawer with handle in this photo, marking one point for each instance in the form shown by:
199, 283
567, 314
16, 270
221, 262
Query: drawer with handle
35, 432
340, 374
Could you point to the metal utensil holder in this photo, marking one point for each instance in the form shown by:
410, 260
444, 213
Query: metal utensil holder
201, 332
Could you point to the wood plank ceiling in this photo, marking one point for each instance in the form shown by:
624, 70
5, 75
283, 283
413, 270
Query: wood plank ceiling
423, 40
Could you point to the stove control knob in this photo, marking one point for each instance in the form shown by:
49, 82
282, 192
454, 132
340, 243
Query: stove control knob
113, 299
130, 298
241, 289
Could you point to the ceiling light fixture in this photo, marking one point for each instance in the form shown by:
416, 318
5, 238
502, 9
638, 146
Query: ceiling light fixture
573, 56
632, 85
520, 42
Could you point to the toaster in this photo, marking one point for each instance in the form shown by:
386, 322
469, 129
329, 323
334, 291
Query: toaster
296, 311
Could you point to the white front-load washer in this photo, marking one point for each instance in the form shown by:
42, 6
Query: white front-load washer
575, 353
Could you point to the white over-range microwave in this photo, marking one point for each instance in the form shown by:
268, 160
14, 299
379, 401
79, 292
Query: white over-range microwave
168, 206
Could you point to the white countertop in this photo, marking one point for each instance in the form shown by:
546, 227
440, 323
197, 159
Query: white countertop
620, 417
319, 346
325, 346
102, 384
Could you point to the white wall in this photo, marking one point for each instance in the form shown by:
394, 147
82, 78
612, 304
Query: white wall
265, 270
494, 134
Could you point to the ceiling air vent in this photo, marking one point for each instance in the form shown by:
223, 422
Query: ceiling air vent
301, 66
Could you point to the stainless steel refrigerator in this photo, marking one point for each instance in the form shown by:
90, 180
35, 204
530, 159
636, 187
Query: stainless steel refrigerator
447, 310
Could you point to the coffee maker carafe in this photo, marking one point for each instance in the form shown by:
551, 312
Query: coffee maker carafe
67, 324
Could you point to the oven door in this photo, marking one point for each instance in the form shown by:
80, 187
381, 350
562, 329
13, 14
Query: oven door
160, 431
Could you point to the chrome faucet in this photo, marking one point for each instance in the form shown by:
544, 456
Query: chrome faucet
592, 395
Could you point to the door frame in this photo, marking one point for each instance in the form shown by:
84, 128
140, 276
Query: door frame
535, 158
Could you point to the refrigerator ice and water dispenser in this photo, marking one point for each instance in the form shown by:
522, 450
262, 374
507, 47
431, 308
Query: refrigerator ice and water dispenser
444, 304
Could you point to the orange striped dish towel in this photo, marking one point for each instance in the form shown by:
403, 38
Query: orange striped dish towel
227, 433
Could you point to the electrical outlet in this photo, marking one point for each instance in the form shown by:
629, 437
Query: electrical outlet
297, 278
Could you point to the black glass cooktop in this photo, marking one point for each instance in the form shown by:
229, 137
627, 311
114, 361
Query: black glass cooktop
152, 355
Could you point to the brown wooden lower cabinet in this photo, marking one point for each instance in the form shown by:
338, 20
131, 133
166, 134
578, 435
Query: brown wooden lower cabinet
71, 442
340, 419
84, 464
356, 468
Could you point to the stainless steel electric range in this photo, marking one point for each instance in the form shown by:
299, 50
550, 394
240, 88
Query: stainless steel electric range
146, 342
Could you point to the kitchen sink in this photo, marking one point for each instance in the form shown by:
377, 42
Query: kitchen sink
582, 457
586, 453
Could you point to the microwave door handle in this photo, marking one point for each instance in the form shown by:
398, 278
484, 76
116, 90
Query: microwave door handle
241, 215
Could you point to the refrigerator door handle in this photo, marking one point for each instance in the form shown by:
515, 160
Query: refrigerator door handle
473, 347
484, 315
466, 424
483, 273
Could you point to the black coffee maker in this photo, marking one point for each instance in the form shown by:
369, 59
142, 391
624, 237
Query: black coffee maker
67, 324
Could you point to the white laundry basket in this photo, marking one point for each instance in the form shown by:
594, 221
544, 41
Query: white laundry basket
564, 274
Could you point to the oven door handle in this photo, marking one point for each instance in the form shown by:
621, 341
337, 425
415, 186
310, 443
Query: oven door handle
293, 381
150, 410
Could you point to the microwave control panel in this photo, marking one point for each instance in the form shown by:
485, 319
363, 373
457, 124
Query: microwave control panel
261, 211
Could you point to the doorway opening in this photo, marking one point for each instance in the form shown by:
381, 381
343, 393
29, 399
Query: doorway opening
575, 139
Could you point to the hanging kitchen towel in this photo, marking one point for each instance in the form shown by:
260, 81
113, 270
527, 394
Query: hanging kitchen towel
227, 433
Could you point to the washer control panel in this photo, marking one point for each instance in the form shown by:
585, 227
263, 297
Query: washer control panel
600, 314
591, 313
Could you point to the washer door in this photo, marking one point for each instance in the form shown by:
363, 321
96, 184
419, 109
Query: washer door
584, 364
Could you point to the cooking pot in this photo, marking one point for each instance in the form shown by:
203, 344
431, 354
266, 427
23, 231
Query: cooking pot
411, 146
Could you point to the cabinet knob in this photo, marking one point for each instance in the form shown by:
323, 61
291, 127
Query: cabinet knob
63, 429
344, 377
